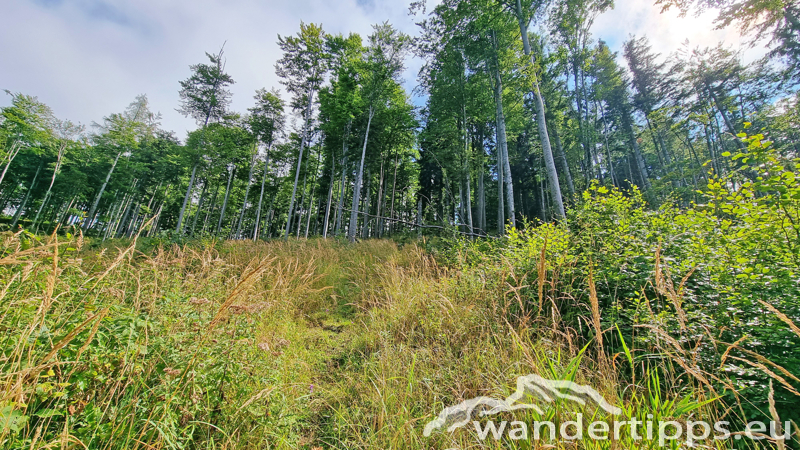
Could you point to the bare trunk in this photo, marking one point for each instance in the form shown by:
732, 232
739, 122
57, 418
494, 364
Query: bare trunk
330, 198
15, 148
246, 193
378, 212
367, 205
299, 162
351, 233
186, 197
552, 174
563, 158
505, 166
18, 214
90, 216
225, 200
261, 197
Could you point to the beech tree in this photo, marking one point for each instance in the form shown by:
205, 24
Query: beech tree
204, 97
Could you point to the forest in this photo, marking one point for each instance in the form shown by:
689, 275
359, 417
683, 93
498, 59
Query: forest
335, 265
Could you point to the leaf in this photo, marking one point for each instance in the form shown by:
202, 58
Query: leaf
11, 419
48, 412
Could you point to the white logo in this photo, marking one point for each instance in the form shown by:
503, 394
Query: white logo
529, 387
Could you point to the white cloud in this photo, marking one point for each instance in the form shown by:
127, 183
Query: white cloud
667, 32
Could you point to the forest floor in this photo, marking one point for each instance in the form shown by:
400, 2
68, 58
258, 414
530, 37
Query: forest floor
309, 344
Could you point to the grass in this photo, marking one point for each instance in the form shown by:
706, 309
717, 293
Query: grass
305, 344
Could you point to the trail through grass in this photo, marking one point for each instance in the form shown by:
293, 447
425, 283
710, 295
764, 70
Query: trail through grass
280, 345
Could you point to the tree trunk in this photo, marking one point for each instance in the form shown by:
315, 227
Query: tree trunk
419, 217
505, 167
200, 205
246, 193
637, 152
501, 213
725, 119
379, 225
394, 190
15, 148
60, 157
299, 162
339, 208
481, 195
90, 216
563, 158
186, 197
225, 200
330, 198
366, 208
608, 150
467, 176
18, 214
351, 233
550, 165
261, 197
342, 188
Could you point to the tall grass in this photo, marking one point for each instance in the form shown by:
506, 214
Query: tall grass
289, 345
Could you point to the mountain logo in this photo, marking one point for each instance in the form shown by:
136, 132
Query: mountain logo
529, 388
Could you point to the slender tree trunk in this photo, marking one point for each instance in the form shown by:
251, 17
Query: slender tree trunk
311, 192
367, 206
394, 190
22, 205
563, 158
261, 196
587, 158
200, 205
351, 233
340, 206
637, 152
212, 206
481, 193
725, 119
225, 200
57, 168
330, 198
505, 167
419, 217
246, 193
501, 212
299, 161
467, 176
550, 165
15, 148
186, 197
608, 150
379, 224
90, 217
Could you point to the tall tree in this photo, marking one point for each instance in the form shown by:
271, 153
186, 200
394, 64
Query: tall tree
121, 133
384, 63
302, 69
204, 97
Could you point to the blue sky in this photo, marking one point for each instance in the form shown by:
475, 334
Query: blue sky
90, 58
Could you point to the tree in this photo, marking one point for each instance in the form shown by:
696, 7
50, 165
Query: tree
384, 63
204, 97
121, 133
266, 123
524, 17
780, 18
302, 69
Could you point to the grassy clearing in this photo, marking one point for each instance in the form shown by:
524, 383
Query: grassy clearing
287, 345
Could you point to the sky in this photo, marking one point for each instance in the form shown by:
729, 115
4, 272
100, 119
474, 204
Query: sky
87, 59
